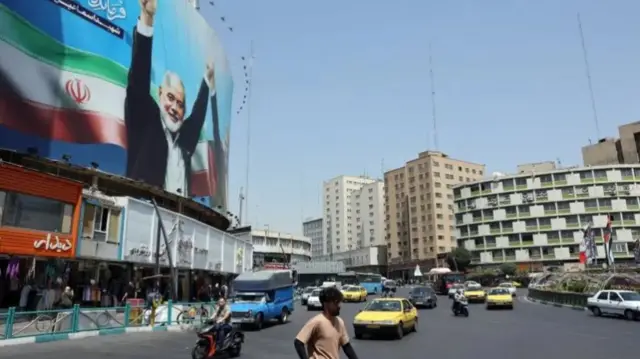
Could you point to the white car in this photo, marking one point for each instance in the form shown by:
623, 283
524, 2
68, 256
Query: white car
510, 287
305, 294
313, 302
615, 302
454, 288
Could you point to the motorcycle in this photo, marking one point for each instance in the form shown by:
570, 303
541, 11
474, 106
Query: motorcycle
206, 345
461, 309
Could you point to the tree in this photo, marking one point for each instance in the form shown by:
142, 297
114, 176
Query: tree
508, 268
459, 259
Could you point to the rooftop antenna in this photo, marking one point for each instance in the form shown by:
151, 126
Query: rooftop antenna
433, 101
382, 168
248, 164
588, 74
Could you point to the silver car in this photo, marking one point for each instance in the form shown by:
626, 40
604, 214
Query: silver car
623, 303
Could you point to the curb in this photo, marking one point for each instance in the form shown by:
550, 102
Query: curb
582, 309
45, 338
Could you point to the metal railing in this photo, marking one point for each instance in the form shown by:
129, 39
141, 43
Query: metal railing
19, 324
561, 298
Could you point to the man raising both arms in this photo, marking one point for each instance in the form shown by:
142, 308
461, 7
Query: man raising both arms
324, 334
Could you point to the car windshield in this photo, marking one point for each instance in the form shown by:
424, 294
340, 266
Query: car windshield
498, 291
353, 289
248, 298
505, 285
630, 296
309, 290
316, 292
457, 286
420, 291
384, 306
473, 289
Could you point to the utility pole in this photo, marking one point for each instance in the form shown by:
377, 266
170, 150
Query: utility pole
241, 199
250, 84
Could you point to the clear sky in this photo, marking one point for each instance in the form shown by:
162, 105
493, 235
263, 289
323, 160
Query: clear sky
341, 85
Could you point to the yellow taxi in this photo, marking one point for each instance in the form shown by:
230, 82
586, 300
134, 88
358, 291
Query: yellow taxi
475, 294
394, 316
354, 293
499, 298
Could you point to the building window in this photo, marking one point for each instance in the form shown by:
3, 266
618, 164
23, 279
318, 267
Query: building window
101, 224
36, 213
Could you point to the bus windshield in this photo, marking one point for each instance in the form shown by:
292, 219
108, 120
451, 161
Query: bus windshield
453, 278
371, 278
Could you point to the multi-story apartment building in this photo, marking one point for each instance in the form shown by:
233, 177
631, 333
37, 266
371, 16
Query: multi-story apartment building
312, 228
353, 210
419, 208
538, 218
608, 151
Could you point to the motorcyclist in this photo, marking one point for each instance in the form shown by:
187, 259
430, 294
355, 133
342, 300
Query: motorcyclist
458, 297
221, 318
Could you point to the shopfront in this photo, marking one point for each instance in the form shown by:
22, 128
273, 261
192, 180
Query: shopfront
38, 230
199, 252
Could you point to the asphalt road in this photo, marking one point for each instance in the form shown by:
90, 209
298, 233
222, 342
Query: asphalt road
529, 331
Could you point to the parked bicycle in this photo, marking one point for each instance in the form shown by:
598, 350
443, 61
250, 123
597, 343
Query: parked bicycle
192, 313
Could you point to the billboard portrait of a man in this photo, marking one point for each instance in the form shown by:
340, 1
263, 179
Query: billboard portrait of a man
161, 137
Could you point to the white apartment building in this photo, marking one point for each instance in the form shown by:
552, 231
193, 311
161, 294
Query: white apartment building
353, 210
312, 228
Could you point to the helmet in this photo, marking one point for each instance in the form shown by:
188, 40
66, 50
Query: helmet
459, 291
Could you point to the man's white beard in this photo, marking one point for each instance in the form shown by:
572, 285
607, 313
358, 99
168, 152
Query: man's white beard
169, 124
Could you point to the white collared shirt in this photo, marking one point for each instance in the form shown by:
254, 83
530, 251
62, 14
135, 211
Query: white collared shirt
176, 177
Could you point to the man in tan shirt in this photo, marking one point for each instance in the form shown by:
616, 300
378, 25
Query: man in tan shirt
325, 334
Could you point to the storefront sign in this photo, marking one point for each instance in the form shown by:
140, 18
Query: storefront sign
53, 243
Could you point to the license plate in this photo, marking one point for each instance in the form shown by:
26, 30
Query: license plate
373, 326
419, 302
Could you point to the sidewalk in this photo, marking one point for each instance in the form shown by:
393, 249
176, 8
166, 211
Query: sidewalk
90, 333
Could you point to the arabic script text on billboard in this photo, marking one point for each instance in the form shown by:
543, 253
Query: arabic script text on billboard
140, 87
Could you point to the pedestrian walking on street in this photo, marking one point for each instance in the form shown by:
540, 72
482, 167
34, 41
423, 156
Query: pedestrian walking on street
324, 335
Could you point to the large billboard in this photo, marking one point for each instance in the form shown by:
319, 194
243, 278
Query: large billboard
139, 88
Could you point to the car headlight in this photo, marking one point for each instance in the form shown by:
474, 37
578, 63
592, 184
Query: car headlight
249, 313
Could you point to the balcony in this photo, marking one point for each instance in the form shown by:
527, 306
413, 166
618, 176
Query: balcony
628, 177
564, 210
545, 227
549, 255
488, 218
546, 184
535, 256
515, 244
494, 231
629, 222
510, 258
527, 243
512, 215
591, 209
532, 228
566, 240
586, 180
573, 225
568, 196
490, 245
560, 182
508, 188
553, 240
549, 212
601, 179
521, 186
524, 214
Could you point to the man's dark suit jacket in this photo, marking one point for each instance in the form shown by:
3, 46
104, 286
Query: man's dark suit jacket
147, 149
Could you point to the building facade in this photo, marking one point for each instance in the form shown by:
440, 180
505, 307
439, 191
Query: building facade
369, 259
419, 208
312, 228
539, 217
353, 213
622, 150
270, 246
